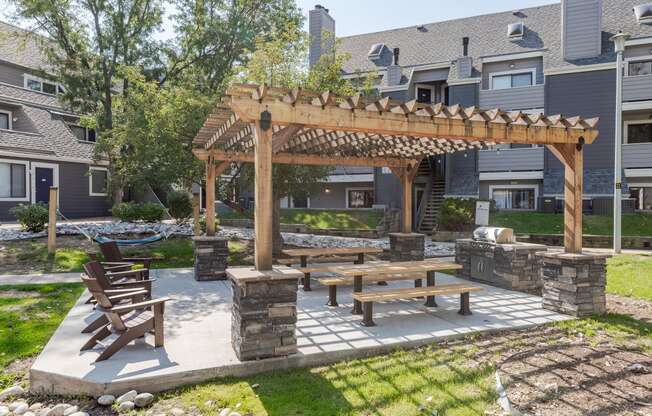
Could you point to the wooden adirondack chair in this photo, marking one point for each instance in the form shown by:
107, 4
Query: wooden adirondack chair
114, 284
127, 321
112, 254
109, 266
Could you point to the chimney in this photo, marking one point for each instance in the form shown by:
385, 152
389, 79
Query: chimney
394, 72
581, 29
321, 27
465, 62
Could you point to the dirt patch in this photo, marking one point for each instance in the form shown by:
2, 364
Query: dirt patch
636, 308
18, 294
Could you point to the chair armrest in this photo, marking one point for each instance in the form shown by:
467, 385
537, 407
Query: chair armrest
120, 291
146, 284
116, 269
139, 305
126, 273
129, 295
149, 259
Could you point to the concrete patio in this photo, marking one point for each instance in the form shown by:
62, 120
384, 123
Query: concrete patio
198, 335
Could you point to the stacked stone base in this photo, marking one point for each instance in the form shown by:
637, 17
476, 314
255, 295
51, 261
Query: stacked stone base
211, 258
574, 284
511, 266
264, 316
406, 246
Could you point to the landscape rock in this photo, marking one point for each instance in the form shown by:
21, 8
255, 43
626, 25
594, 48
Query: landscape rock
637, 368
126, 406
22, 408
43, 411
235, 414
28, 413
225, 412
177, 412
4, 410
106, 400
129, 396
36, 406
143, 399
79, 414
14, 391
58, 410
69, 411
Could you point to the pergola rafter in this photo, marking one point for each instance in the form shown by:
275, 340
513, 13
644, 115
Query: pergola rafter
267, 125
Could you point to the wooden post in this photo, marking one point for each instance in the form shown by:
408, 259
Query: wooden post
263, 194
52, 220
406, 183
572, 156
196, 208
210, 197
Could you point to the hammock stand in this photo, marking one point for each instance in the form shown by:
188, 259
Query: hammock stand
102, 239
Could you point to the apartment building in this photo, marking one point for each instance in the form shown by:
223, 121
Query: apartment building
554, 59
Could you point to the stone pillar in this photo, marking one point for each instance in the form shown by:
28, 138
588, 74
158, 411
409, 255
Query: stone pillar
264, 316
574, 284
406, 246
211, 257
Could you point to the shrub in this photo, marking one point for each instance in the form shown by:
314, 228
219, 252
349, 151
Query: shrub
457, 214
133, 211
32, 217
180, 205
202, 223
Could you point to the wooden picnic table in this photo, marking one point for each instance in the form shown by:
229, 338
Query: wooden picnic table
304, 253
402, 267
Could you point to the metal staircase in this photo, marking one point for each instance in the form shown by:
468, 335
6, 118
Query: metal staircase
429, 206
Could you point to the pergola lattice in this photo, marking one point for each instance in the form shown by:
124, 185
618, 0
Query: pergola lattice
275, 125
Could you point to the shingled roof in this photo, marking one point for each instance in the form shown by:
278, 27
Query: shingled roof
22, 47
441, 42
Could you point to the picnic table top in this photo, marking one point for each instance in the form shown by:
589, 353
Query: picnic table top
325, 251
395, 267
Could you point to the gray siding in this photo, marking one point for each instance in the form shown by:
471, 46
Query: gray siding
74, 198
11, 74
578, 95
637, 155
636, 51
431, 75
22, 121
514, 98
387, 189
637, 88
511, 160
581, 28
462, 172
512, 65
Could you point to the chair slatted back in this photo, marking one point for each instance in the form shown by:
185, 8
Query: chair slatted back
103, 300
111, 251
94, 270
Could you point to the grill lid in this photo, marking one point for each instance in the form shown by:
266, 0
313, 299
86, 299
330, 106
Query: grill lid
496, 235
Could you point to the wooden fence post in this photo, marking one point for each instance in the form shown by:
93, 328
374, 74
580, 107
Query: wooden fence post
196, 213
52, 220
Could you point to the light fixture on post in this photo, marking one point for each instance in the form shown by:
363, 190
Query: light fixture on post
619, 40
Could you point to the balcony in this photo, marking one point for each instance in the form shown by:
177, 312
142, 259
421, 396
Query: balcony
526, 159
637, 88
513, 98
638, 155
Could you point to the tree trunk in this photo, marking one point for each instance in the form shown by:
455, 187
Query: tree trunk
277, 239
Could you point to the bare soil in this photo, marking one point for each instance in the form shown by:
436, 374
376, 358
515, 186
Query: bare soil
636, 308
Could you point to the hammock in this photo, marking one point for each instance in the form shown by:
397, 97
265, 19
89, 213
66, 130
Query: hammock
101, 239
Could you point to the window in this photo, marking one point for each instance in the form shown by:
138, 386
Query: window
642, 67
5, 120
359, 198
98, 182
638, 131
501, 81
41, 85
83, 133
376, 50
13, 180
515, 30
514, 198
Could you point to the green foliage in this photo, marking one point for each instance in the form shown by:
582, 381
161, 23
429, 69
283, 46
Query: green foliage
202, 223
637, 224
336, 218
630, 275
134, 211
180, 205
32, 217
457, 214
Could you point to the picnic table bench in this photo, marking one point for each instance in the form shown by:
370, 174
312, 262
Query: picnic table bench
358, 271
367, 299
305, 253
335, 281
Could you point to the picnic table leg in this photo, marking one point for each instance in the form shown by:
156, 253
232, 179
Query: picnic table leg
367, 317
332, 295
360, 259
430, 300
357, 287
465, 307
306, 276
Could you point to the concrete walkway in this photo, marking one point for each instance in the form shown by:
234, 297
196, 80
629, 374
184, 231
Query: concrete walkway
73, 277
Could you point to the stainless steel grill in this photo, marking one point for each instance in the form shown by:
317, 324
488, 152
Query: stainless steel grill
494, 235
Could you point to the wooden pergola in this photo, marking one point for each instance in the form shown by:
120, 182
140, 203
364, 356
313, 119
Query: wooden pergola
262, 125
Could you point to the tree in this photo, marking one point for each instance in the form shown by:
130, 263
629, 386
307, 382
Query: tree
282, 62
92, 40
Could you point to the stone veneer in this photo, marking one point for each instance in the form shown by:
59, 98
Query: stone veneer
406, 246
574, 284
211, 257
264, 315
511, 266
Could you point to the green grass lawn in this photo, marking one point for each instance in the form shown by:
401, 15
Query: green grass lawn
630, 275
346, 219
638, 224
29, 314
